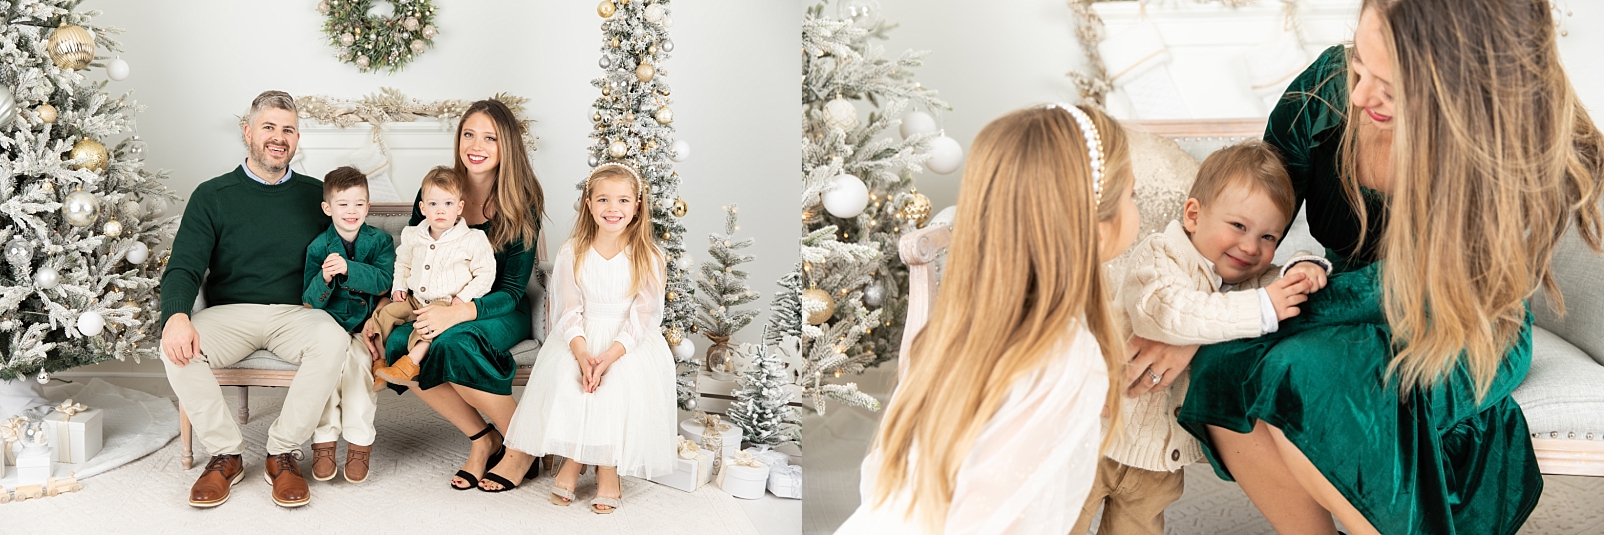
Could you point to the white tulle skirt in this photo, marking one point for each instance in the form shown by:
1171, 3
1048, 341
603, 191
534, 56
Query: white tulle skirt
628, 422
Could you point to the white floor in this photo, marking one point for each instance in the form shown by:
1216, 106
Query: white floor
1570, 505
406, 493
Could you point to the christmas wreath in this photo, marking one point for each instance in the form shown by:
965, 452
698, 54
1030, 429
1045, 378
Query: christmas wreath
375, 35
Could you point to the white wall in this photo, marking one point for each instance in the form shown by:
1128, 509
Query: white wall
198, 63
989, 58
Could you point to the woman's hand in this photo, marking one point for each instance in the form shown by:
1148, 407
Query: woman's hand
435, 319
1151, 359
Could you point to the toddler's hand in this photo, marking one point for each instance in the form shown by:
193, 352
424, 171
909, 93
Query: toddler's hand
1286, 294
1314, 273
398, 295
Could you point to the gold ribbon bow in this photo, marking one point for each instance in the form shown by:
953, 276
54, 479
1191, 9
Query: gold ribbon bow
68, 409
688, 449
11, 431
740, 459
712, 437
71, 409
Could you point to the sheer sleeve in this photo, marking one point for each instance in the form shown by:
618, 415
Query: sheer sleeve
569, 301
1035, 460
646, 311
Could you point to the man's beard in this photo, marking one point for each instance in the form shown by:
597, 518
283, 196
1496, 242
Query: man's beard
260, 156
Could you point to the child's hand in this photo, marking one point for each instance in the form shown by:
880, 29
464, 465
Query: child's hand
1315, 274
398, 295
332, 266
598, 368
583, 357
1286, 294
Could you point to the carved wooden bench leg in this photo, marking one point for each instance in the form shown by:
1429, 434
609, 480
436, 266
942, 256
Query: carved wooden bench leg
244, 398
186, 457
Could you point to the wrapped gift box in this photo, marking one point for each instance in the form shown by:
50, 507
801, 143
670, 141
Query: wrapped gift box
744, 482
35, 465
774, 459
75, 435
730, 434
786, 482
689, 474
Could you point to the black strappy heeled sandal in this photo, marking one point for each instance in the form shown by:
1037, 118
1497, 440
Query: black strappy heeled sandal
490, 462
534, 471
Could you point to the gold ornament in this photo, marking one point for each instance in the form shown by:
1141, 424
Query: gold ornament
618, 149
917, 210
819, 316
652, 50
133, 305
651, 144
664, 115
112, 229
607, 91
47, 188
606, 9
673, 296
680, 208
71, 47
47, 113
645, 72
615, 42
674, 336
662, 90
93, 154
629, 117
668, 236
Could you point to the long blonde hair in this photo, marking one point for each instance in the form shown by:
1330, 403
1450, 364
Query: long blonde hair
643, 252
519, 202
1023, 268
1493, 157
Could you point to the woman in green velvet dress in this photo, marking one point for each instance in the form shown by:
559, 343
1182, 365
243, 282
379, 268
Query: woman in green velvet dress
469, 369
1387, 401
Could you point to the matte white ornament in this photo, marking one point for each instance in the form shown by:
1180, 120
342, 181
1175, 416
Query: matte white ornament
90, 323
139, 253
839, 113
680, 150
945, 155
117, 69
654, 13
46, 278
686, 348
847, 198
668, 22
915, 123
686, 262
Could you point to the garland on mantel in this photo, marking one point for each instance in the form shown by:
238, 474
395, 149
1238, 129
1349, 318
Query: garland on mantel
390, 105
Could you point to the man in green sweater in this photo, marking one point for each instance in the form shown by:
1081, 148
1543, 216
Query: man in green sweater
245, 235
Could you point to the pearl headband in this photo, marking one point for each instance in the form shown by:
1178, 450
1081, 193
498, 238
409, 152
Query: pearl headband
640, 183
1094, 145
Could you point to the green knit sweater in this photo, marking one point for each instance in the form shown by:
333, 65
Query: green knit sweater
251, 236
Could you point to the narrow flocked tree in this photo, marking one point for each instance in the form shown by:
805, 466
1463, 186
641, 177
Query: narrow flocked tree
634, 124
77, 220
843, 70
761, 407
722, 288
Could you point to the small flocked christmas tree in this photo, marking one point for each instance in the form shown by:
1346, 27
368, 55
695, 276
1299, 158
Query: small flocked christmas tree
761, 408
785, 312
79, 220
858, 185
633, 124
723, 287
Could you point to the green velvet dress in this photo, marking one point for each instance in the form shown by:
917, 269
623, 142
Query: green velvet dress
476, 354
1436, 461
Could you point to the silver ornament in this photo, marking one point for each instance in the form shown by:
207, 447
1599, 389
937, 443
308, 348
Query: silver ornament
691, 404
43, 377
874, 295
18, 251
80, 208
132, 210
605, 62
8, 106
46, 278
668, 46
593, 160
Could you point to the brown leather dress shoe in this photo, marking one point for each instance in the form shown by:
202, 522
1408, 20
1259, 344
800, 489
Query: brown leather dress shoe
356, 462
221, 473
289, 487
323, 463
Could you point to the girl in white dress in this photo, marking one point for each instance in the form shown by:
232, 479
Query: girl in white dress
602, 389
995, 427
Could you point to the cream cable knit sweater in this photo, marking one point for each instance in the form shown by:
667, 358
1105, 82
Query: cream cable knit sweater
460, 264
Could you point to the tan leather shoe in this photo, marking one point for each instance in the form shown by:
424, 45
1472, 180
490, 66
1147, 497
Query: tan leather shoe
213, 487
323, 463
289, 487
356, 462
403, 372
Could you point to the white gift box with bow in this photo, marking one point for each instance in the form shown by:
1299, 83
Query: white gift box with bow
744, 477
786, 481
75, 432
730, 434
693, 467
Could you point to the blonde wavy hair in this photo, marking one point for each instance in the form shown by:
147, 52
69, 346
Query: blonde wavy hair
520, 204
644, 254
1493, 157
1023, 267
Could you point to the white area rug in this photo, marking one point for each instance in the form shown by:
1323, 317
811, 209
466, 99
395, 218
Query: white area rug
1570, 505
133, 425
407, 492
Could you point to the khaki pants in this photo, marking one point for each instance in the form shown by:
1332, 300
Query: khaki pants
228, 333
350, 410
386, 318
1136, 499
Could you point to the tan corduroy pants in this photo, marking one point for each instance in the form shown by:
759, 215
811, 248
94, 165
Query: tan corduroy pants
228, 333
386, 318
1136, 499
350, 410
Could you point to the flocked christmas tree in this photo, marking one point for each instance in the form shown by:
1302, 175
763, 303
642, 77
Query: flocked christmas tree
761, 407
634, 125
79, 284
723, 287
858, 195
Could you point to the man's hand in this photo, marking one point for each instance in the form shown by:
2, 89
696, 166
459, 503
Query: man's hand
1151, 359
180, 342
333, 266
1289, 292
1314, 273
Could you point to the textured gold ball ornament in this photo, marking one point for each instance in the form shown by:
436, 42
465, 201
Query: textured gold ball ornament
71, 47
645, 72
47, 113
607, 90
917, 210
680, 208
80, 208
820, 316
606, 9
664, 115
617, 149
93, 154
652, 50
133, 305
615, 42
674, 336
595, 117
673, 296
112, 229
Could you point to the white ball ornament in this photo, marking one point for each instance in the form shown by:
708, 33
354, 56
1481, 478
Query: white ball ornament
686, 262
654, 13
117, 69
945, 155
139, 253
680, 150
668, 22
686, 348
839, 113
46, 278
91, 323
618, 149
847, 198
916, 123
80, 208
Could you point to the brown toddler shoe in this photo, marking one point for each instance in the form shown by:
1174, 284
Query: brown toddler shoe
323, 463
403, 372
356, 462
